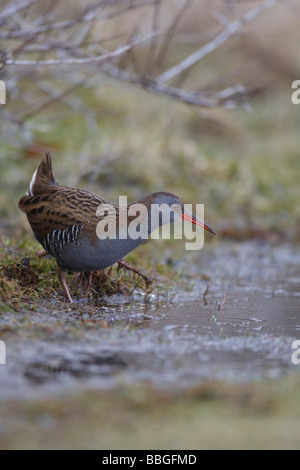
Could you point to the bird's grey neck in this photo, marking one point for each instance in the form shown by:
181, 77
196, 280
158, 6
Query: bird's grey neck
154, 215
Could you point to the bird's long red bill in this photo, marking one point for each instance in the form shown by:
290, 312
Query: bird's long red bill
193, 219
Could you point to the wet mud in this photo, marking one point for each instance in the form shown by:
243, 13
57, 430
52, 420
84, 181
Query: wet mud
236, 322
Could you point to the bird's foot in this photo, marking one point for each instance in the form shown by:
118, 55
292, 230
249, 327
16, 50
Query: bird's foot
80, 280
88, 284
82, 276
63, 281
124, 265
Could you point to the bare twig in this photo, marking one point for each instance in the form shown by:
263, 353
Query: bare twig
170, 33
231, 29
226, 98
10, 118
221, 304
154, 44
46, 104
206, 292
45, 57
81, 61
13, 9
89, 17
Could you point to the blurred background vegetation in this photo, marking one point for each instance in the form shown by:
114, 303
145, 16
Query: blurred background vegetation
115, 127
114, 137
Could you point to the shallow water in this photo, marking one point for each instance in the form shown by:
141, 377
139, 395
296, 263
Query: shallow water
236, 323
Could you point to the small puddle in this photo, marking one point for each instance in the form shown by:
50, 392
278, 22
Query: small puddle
273, 308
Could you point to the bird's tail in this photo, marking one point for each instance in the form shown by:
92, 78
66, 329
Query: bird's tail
43, 177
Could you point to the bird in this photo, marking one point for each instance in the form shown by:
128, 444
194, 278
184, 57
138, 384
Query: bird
65, 221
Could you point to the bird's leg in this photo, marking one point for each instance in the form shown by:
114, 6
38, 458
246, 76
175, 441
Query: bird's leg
123, 264
89, 283
80, 279
63, 281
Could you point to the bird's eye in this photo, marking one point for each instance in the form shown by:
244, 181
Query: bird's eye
105, 213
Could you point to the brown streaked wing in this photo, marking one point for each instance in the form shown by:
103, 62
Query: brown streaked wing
59, 208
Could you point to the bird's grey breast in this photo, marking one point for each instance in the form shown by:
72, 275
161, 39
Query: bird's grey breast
96, 255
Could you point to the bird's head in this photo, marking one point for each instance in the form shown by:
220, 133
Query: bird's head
170, 209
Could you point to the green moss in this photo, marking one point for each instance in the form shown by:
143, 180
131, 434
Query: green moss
28, 278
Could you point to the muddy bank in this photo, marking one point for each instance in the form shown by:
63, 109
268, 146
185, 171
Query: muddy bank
236, 322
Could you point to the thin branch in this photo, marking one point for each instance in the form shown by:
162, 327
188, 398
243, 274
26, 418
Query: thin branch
228, 32
10, 118
81, 61
52, 46
170, 33
228, 97
46, 104
74, 41
89, 17
12, 10
155, 27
